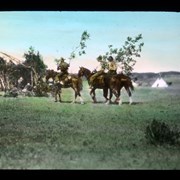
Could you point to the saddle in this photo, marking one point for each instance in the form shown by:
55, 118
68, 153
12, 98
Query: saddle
101, 79
97, 80
66, 79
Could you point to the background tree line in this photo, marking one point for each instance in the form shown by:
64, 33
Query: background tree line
34, 67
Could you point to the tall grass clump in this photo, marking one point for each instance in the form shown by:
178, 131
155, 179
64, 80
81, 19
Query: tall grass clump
159, 133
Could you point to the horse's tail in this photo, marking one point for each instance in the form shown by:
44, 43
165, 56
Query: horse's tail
131, 85
127, 80
80, 84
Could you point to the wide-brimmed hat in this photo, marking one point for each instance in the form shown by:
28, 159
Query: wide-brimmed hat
62, 59
110, 58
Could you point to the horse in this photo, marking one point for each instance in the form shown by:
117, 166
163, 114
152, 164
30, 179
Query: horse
100, 83
73, 81
117, 82
114, 83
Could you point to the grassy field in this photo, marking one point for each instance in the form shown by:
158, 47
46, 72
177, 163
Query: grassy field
37, 133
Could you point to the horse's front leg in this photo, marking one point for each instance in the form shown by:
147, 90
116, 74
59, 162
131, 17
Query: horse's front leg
75, 95
79, 94
81, 99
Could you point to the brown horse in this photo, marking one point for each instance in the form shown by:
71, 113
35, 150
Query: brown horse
74, 82
100, 83
117, 82
113, 83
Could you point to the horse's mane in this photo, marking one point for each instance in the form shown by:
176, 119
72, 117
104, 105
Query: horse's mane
86, 69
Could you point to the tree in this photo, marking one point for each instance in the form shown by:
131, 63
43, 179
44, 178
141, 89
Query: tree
2, 73
80, 48
2, 64
35, 61
126, 55
11, 71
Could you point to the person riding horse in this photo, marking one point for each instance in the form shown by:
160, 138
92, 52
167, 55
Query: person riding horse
112, 66
96, 75
111, 83
63, 67
112, 70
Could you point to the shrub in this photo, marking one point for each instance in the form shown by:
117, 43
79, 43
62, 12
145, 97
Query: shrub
41, 89
160, 133
11, 93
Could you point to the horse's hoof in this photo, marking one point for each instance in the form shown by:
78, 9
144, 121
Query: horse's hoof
107, 103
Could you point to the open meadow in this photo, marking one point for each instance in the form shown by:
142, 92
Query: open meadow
38, 133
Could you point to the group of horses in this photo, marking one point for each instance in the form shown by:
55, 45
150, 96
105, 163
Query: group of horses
108, 83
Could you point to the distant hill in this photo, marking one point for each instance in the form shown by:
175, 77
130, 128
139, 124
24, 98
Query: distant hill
147, 79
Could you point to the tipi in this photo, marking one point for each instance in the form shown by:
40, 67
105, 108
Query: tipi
160, 82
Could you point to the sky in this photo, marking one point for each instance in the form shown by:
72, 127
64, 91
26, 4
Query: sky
55, 34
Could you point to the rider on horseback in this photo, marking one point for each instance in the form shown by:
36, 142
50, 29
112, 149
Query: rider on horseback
111, 66
63, 67
97, 74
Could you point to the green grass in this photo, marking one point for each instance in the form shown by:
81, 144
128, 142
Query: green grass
37, 133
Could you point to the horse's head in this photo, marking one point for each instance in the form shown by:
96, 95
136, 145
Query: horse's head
84, 72
81, 71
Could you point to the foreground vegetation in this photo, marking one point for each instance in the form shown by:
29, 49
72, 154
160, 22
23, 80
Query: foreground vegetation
37, 133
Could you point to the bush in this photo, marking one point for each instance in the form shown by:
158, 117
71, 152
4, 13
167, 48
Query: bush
11, 93
160, 133
41, 89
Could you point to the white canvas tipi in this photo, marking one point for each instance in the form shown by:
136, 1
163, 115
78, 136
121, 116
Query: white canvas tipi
160, 83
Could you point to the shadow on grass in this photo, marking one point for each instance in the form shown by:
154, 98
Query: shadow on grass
100, 102
133, 103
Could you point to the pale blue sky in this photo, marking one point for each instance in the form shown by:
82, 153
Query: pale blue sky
57, 33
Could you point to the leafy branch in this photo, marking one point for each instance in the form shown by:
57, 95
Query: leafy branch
82, 45
126, 55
